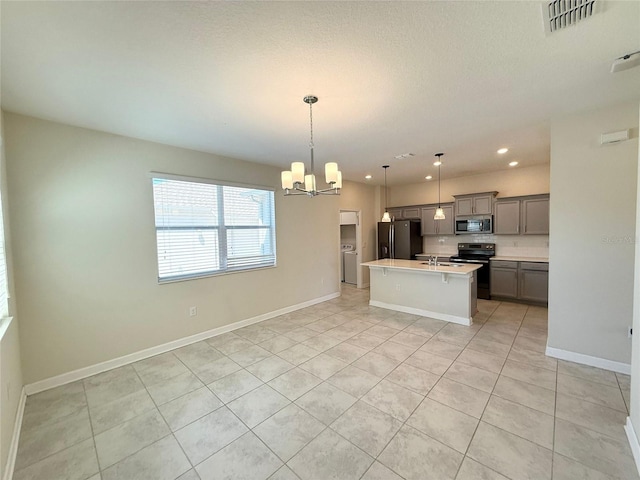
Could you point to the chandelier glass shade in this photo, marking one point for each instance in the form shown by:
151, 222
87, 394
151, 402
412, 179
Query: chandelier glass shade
298, 181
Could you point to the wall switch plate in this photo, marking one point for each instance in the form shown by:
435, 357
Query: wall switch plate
193, 311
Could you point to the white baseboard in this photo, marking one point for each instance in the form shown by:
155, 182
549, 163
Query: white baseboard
633, 442
589, 360
423, 313
13, 448
365, 285
85, 372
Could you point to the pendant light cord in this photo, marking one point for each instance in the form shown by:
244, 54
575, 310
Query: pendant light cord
311, 134
439, 186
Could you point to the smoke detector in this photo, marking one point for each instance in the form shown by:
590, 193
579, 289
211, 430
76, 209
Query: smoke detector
560, 14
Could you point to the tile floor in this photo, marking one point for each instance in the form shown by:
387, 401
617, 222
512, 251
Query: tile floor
342, 391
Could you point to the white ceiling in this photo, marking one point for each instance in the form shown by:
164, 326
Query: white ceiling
393, 77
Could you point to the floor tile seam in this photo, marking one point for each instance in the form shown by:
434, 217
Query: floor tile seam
590, 380
591, 429
249, 430
225, 403
594, 403
171, 433
537, 353
490, 395
67, 448
93, 436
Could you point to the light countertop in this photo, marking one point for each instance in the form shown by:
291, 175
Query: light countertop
419, 266
521, 259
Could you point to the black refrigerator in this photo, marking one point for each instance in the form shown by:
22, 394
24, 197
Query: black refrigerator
399, 239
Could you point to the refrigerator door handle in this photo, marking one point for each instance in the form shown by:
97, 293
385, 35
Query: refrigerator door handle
392, 236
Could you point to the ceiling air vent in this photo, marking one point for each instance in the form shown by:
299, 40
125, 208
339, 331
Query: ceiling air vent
560, 14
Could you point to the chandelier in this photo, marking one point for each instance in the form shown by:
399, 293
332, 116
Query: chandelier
297, 182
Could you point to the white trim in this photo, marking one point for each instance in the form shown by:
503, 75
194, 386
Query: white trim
633, 442
589, 360
85, 372
424, 313
210, 181
13, 448
4, 326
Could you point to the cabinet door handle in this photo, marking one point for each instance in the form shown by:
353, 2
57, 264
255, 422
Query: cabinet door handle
518, 228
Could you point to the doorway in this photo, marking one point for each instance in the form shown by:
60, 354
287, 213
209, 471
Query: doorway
350, 247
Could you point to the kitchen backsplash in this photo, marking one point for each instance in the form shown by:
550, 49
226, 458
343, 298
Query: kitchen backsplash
506, 245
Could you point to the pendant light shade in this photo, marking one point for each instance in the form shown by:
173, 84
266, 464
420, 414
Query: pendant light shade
385, 217
439, 215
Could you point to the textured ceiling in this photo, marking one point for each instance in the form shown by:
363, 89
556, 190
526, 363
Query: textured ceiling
393, 77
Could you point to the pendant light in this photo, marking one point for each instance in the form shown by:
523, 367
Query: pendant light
296, 182
439, 215
385, 217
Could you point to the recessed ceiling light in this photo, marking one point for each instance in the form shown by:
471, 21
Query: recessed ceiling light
428, 177
503, 150
513, 164
437, 164
368, 177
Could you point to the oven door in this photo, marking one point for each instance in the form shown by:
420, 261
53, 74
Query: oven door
483, 275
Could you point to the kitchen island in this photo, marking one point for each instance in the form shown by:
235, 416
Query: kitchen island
445, 291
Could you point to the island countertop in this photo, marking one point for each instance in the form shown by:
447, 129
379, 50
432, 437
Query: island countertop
423, 267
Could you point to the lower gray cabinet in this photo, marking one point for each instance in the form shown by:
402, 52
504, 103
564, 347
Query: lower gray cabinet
520, 280
534, 281
504, 279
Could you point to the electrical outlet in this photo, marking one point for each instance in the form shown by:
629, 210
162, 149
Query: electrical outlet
629, 332
322, 281
398, 286
193, 311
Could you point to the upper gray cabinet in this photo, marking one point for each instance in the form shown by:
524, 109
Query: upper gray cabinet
395, 213
507, 217
522, 216
410, 213
475, 204
535, 214
437, 227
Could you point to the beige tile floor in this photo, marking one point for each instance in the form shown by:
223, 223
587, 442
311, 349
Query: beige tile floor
340, 390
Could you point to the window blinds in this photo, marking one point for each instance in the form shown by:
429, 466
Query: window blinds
206, 228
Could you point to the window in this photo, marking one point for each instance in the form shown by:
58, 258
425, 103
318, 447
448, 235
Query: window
205, 228
4, 287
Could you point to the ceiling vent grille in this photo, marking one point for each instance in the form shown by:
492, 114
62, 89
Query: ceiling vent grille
560, 14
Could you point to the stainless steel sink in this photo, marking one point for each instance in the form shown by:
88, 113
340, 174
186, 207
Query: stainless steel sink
456, 265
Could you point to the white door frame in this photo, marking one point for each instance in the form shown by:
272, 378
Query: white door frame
358, 245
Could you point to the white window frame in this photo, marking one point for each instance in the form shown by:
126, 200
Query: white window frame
221, 228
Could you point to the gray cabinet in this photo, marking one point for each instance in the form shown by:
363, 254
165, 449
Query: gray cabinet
506, 220
535, 216
411, 213
527, 281
533, 282
504, 279
475, 204
522, 216
437, 227
395, 213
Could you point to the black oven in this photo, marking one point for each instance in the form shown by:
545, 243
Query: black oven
478, 253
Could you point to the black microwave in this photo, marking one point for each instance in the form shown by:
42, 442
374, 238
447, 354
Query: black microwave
474, 225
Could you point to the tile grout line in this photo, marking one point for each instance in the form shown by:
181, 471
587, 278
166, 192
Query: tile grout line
93, 436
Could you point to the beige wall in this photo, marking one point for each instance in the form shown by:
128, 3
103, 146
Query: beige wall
358, 196
85, 264
635, 356
592, 225
10, 366
508, 183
